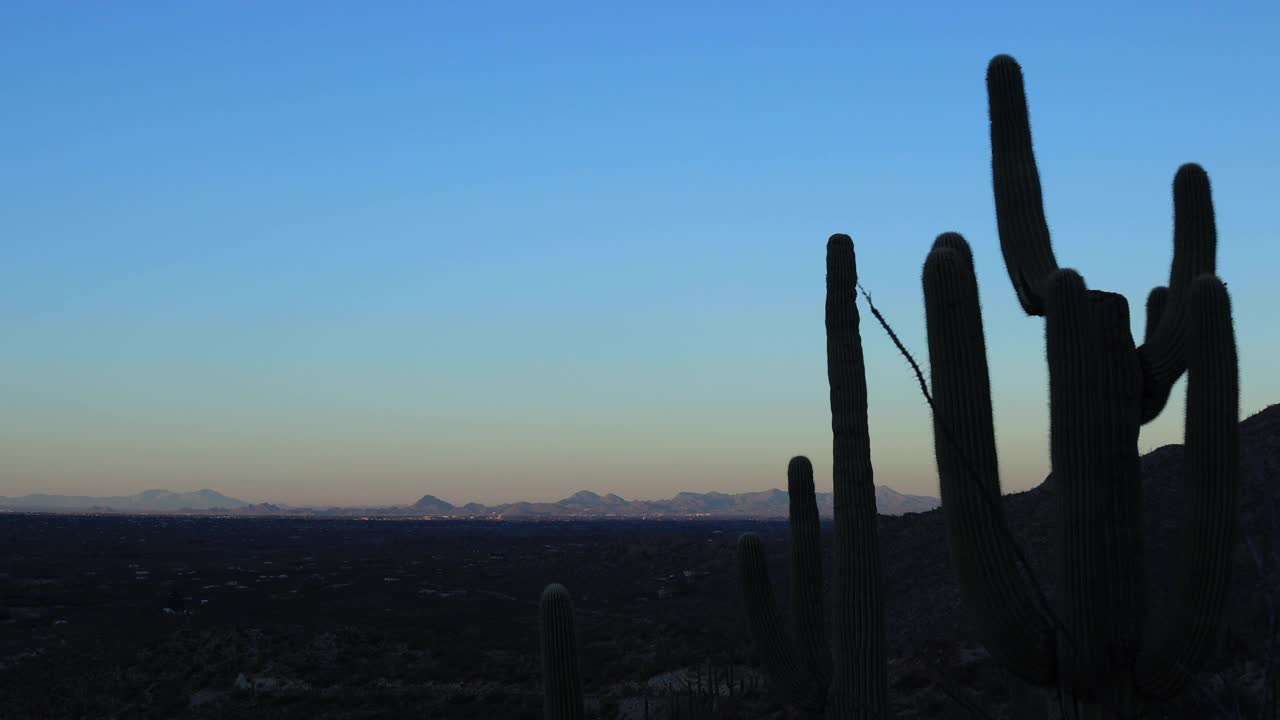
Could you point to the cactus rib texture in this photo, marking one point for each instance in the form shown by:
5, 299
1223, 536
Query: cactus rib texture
848, 678
561, 673
1102, 647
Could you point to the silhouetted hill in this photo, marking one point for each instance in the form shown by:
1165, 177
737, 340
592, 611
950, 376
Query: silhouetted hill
924, 605
432, 504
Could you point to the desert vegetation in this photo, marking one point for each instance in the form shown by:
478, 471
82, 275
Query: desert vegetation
1106, 645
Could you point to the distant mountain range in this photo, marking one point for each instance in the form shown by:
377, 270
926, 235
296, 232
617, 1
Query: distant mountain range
763, 504
145, 501
584, 504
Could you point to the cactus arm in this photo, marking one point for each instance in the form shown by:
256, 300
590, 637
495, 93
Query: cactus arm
1024, 233
806, 571
1195, 241
1094, 390
859, 685
1157, 301
1028, 250
561, 674
1211, 476
1011, 626
773, 643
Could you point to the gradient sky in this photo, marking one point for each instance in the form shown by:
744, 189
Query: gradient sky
333, 252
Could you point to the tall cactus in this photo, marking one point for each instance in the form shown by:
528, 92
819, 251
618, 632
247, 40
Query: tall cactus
848, 680
1101, 645
561, 676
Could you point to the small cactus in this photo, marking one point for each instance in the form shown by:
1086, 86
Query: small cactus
561, 672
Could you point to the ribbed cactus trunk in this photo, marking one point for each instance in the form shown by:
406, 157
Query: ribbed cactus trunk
1098, 644
848, 679
561, 675
1094, 379
859, 687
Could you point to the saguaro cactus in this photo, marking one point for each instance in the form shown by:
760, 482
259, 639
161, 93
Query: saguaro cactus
1100, 645
561, 676
848, 679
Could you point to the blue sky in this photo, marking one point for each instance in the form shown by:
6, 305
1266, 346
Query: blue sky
335, 252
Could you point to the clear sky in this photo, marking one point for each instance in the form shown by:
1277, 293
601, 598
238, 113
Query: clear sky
336, 252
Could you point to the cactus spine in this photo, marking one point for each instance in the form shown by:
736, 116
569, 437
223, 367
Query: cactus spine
561, 676
1101, 647
848, 680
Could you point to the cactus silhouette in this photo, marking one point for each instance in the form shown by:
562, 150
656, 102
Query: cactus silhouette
561, 673
1098, 643
848, 678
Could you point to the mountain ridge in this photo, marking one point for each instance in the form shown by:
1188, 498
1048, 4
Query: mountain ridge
584, 504
155, 500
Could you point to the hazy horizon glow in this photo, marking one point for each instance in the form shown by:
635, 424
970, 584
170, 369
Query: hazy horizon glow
312, 254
